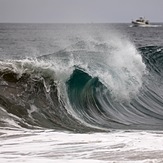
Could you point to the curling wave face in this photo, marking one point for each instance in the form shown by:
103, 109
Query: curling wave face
88, 86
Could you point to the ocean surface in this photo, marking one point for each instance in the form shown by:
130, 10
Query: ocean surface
81, 93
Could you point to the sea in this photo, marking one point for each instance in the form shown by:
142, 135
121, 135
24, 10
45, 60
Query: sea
89, 93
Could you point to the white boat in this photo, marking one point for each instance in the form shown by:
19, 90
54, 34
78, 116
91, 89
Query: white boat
141, 22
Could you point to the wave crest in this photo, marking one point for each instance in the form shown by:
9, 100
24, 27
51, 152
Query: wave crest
90, 88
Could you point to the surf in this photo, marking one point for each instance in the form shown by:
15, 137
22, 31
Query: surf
94, 84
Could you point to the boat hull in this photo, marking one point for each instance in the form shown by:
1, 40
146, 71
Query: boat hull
145, 25
139, 24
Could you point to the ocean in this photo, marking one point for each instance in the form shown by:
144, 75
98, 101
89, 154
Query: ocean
81, 93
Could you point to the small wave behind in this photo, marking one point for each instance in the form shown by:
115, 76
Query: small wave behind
153, 57
94, 84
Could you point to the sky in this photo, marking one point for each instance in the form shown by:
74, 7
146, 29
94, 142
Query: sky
79, 11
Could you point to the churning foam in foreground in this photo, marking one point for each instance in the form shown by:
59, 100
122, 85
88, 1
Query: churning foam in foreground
49, 146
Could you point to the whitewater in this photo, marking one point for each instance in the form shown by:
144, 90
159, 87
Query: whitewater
81, 93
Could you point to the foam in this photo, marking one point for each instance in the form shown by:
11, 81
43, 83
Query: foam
48, 146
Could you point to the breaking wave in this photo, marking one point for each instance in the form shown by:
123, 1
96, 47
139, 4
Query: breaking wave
88, 86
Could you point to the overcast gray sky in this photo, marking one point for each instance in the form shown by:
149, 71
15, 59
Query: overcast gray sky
79, 11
